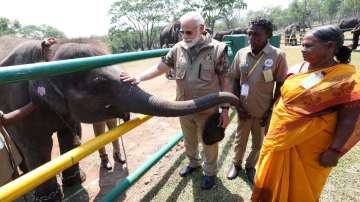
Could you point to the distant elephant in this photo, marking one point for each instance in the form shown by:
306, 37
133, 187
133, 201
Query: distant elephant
220, 35
66, 100
348, 23
170, 34
239, 30
293, 27
292, 31
352, 23
356, 34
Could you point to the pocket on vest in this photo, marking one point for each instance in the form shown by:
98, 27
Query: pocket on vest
206, 72
180, 72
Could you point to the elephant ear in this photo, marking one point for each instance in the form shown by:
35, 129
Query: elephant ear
46, 92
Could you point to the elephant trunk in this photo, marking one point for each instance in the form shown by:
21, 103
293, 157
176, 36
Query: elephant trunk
145, 103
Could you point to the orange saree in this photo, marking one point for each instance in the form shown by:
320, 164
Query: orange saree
288, 168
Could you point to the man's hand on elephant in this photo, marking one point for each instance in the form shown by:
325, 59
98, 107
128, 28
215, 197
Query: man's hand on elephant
125, 77
224, 119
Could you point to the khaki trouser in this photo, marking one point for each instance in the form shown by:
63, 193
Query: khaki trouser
99, 128
192, 127
241, 139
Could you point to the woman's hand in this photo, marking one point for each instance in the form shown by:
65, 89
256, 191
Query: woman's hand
125, 77
329, 158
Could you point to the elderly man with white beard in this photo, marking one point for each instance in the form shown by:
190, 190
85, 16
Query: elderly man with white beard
201, 67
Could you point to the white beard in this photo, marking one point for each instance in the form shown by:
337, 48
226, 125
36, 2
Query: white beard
189, 44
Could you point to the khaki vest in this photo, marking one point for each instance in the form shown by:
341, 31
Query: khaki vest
198, 77
260, 95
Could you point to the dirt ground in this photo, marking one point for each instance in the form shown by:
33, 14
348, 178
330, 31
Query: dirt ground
140, 144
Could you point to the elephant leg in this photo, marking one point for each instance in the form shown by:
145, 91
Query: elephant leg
355, 40
38, 153
67, 141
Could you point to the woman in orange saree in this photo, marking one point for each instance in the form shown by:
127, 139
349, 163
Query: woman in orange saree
313, 123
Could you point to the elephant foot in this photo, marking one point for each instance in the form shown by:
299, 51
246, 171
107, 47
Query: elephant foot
55, 196
76, 179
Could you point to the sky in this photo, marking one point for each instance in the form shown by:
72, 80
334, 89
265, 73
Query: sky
79, 18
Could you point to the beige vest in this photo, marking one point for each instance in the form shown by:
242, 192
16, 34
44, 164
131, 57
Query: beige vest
196, 76
260, 95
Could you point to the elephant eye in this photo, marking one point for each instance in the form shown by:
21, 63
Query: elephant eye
99, 79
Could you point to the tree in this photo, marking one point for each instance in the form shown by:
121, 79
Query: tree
350, 8
40, 32
331, 7
214, 10
317, 14
49, 31
142, 16
123, 40
231, 13
278, 16
299, 11
8, 27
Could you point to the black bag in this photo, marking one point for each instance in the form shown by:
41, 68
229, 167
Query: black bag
212, 132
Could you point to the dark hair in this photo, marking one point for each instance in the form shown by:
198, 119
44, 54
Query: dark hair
334, 34
264, 24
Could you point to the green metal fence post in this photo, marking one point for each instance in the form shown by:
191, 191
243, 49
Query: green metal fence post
237, 42
275, 40
116, 192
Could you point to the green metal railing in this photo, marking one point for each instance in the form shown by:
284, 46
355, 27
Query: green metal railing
115, 193
46, 69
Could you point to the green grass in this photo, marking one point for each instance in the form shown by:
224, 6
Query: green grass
343, 183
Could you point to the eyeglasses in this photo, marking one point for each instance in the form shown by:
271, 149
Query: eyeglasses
187, 32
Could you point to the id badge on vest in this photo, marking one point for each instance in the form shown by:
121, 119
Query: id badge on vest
1, 143
267, 72
245, 88
312, 80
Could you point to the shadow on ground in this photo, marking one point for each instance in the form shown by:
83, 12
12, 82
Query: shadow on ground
218, 193
107, 181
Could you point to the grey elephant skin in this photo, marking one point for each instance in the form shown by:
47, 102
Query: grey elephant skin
69, 99
352, 23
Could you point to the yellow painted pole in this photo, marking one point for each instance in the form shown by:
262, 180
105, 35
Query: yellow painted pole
31, 180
